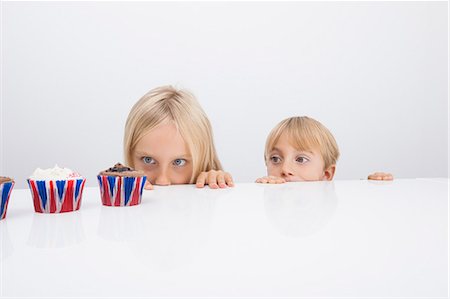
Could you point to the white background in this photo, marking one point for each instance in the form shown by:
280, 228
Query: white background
374, 73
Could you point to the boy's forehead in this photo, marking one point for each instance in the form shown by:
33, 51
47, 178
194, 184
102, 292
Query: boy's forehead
288, 143
296, 142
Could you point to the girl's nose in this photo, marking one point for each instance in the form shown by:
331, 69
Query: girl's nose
162, 179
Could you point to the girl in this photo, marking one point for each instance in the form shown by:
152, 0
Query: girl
169, 137
302, 149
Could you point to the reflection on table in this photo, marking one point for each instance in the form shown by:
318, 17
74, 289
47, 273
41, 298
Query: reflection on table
300, 210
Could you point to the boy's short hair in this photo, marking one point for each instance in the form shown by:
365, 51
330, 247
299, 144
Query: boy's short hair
305, 133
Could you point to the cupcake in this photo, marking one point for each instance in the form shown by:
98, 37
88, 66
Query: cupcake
6, 185
56, 190
121, 186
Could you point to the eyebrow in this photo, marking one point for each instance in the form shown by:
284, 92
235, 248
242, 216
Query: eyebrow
275, 149
146, 154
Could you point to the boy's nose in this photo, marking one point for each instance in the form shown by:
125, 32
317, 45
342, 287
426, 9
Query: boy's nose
286, 170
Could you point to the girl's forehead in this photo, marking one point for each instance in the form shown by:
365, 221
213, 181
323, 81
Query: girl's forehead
164, 138
162, 132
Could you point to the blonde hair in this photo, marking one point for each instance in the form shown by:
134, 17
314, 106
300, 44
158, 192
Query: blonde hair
180, 106
305, 134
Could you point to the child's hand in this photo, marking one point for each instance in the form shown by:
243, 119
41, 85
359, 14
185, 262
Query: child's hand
148, 185
271, 180
380, 176
215, 179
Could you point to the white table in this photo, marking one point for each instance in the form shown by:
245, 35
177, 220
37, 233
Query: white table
336, 239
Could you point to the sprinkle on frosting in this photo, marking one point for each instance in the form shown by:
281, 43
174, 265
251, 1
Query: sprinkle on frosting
55, 173
122, 171
119, 168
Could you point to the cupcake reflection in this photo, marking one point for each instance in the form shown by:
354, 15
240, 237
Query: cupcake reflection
5, 241
56, 231
177, 226
120, 224
300, 209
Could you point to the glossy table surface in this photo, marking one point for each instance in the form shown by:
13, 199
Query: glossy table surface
321, 239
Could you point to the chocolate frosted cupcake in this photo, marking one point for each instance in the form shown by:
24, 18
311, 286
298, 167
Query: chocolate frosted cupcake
121, 186
6, 186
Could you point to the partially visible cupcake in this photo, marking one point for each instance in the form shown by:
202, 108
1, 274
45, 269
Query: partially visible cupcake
6, 186
121, 186
56, 190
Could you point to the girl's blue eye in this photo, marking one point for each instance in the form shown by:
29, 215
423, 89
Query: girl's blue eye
275, 159
148, 160
179, 162
302, 160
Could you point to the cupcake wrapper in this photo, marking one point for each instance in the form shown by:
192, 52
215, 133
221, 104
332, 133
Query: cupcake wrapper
56, 196
121, 191
5, 192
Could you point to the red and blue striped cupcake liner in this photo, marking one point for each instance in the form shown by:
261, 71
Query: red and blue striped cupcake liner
121, 191
5, 192
57, 196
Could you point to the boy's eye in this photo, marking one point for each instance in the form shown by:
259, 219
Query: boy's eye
148, 160
179, 162
302, 160
275, 159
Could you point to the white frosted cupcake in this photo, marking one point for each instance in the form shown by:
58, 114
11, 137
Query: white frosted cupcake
56, 190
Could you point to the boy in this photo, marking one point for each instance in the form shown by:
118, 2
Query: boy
302, 149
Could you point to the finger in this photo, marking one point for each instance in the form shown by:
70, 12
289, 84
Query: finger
388, 177
262, 180
201, 180
212, 180
275, 180
278, 181
221, 180
148, 185
374, 177
229, 179
281, 181
382, 175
